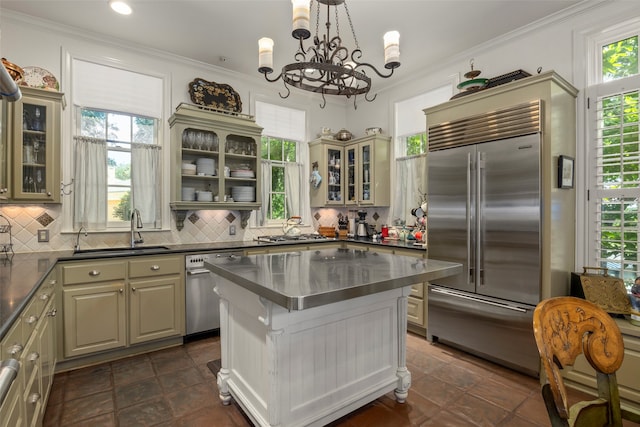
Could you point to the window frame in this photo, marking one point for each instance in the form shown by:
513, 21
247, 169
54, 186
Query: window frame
596, 196
272, 222
123, 147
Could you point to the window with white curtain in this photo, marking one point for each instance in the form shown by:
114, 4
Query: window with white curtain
411, 149
614, 156
117, 160
284, 187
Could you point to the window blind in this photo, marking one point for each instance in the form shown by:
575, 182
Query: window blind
110, 88
281, 122
615, 176
410, 119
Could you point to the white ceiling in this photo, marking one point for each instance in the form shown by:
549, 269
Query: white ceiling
207, 31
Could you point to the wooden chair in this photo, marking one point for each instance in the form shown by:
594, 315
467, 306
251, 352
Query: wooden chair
564, 327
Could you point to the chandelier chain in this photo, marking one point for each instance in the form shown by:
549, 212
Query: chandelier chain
317, 18
353, 31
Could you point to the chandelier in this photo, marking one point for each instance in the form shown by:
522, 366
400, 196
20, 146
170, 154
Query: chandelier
326, 66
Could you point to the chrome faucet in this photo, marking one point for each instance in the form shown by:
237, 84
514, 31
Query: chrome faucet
135, 215
76, 248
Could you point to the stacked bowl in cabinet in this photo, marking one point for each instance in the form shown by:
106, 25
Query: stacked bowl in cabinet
243, 193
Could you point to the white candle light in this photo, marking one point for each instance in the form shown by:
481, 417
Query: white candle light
301, 19
265, 55
392, 49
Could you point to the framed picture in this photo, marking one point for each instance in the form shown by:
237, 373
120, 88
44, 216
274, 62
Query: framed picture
565, 172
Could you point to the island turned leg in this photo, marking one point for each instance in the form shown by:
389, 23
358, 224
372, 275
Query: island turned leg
223, 373
403, 374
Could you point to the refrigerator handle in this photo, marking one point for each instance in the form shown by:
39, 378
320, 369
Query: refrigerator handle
470, 263
479, 262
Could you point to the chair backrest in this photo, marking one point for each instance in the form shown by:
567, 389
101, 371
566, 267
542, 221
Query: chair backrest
564, 327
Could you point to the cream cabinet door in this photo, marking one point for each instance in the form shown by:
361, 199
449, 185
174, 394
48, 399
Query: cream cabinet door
155, 308
94, 318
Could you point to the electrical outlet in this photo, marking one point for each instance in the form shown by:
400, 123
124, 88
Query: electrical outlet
232, 230
43, 236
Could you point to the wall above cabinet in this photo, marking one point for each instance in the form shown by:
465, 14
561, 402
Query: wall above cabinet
225, 150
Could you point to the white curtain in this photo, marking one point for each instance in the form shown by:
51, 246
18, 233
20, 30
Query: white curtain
412, 172
293, 188
265, 192
145, 179
90, 183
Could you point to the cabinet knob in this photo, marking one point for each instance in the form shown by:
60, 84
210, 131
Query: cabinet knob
44, 297
33, 357
48, 193
121, 290
15, 350
52, 282
53, 312
133, 289
33, 399
31, 319
155, 267
94, 273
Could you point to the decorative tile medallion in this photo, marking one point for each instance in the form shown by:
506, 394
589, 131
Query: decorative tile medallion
231, 217
193, 218
317, 216
44, 219
376, 216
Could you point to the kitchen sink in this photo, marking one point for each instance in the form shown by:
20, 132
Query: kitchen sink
122, 251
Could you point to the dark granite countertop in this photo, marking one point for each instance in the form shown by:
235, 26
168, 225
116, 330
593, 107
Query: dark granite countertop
21, 276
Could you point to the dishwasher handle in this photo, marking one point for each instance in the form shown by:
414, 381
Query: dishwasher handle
8, 372
196, 271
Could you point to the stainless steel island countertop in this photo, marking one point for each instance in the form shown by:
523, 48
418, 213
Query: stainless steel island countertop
305, 279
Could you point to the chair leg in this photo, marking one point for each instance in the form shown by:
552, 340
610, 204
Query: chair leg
549, 402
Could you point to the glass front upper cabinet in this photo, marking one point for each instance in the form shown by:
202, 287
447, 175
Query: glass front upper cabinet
36, 142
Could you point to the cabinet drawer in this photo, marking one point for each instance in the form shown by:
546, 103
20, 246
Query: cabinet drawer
417, 290
32, 397
92, 273
158, 266
415, 311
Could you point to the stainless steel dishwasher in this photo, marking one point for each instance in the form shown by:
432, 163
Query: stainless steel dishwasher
202, 303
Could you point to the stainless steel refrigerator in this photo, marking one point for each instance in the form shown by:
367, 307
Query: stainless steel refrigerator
485, 213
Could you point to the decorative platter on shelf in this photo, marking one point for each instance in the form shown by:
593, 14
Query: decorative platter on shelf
39, 78
216, 95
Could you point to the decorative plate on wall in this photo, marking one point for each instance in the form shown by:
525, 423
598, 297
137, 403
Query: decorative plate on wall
215, 95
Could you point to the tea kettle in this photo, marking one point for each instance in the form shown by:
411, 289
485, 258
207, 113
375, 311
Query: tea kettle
290, 227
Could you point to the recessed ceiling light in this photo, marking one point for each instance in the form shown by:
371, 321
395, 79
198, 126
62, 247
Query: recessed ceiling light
120, 6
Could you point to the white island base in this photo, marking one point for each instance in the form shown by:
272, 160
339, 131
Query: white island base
312, 366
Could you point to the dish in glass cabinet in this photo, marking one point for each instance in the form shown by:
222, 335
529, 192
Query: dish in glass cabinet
214, 95
39, 78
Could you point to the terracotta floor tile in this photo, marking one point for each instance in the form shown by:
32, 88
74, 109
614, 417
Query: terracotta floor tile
504, 396
437, 391
84, 385
477, 411
134, 393
145, 414
180, 379
185, 401
132, 370
175, 388
87, 407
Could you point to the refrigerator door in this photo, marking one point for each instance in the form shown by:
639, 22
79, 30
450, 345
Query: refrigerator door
450, 215
508, 219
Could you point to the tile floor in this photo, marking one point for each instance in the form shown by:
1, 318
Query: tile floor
174, 387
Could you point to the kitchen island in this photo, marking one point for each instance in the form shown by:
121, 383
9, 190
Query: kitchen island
309, 336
